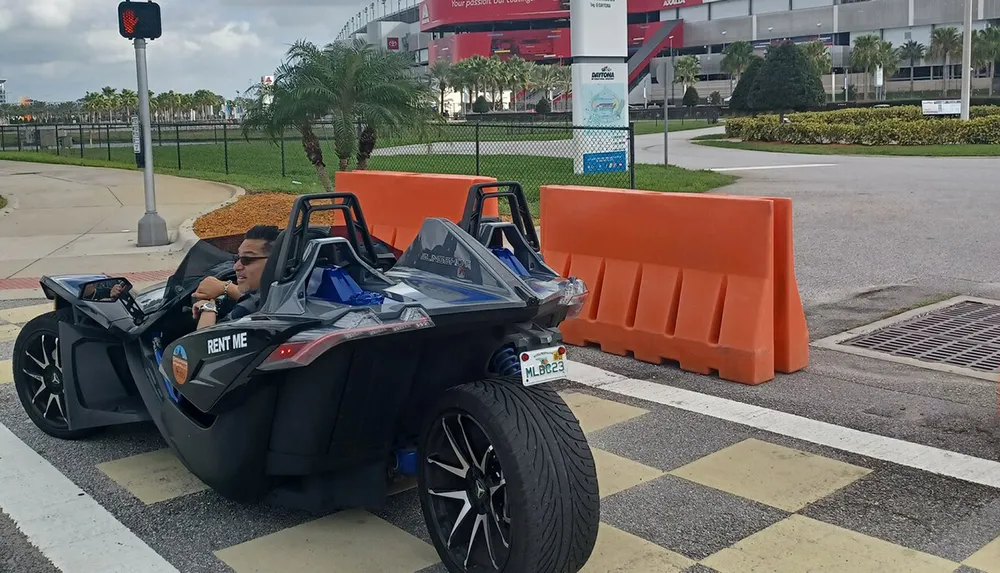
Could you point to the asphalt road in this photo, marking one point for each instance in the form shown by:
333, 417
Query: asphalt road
867, 222
873, 236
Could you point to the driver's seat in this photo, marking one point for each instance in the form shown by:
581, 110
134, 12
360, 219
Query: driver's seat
270, 272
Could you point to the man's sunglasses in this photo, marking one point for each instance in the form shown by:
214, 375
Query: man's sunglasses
246, 260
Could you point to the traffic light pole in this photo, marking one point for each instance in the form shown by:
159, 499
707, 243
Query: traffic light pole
152, 227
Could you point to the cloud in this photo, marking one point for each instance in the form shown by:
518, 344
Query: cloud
56, 50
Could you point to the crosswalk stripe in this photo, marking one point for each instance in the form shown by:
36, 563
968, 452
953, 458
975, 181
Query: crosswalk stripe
351, 540
68, 526
22, 314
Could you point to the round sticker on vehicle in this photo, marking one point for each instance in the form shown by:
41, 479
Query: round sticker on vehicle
180, 364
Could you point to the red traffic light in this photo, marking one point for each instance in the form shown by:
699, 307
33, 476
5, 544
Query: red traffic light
139, 20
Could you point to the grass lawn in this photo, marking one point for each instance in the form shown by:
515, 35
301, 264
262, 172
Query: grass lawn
258, 175
648, 126
837, 149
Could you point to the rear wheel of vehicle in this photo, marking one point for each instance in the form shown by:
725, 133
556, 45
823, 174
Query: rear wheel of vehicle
38, 375
500, 486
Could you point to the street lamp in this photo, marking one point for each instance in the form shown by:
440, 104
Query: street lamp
967, 61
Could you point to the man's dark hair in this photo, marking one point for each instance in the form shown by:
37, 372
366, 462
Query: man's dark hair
267, 233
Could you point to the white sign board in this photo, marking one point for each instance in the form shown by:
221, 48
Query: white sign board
599, 28
600, 99
942, 106
136, 135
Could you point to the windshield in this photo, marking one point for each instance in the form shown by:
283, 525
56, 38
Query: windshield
204, 259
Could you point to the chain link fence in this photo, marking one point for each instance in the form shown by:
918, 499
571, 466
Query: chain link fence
533, 153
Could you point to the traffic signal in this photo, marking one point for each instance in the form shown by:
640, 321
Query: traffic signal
139, 20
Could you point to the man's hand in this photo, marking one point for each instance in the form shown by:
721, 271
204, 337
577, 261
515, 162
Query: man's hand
116, 290
210, 288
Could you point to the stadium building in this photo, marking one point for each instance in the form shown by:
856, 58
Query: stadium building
539, 30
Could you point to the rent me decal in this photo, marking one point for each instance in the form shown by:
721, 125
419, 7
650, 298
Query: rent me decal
227, 343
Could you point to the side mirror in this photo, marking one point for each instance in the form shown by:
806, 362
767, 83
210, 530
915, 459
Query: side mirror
105, 290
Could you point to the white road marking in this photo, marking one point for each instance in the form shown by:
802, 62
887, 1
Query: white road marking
927, 458
68, 526
762, 167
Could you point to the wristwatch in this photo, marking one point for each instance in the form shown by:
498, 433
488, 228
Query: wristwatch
209, 306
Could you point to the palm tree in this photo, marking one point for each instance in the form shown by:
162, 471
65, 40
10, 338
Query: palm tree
946, 43
887, 58
735, 59
686, 70
864, 55
986, 50
352, 83
912, 52
819, 57
441, 73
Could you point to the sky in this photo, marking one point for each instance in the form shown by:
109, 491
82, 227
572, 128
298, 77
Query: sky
57, 50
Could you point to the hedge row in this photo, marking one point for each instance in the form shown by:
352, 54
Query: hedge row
806, 128
983, 130
861, 116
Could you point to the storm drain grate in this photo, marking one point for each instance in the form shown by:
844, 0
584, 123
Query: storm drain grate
958, 335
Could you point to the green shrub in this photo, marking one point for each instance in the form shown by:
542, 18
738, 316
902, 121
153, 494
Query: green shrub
690, 97
904, 125
543, 106
481, 105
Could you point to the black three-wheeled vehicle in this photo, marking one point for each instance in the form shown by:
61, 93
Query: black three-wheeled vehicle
362, 364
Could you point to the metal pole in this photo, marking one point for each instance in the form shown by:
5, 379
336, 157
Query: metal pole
967, 61
666, 115
152, 227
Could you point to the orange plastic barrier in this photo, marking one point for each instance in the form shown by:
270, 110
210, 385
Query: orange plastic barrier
683, 277
791, 334
396, 203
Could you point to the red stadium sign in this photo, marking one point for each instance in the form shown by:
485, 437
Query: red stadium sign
392, 43
438, 13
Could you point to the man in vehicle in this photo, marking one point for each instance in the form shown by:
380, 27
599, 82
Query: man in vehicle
239, 299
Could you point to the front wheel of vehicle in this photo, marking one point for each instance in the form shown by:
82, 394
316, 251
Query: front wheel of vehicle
38, 375
499, 489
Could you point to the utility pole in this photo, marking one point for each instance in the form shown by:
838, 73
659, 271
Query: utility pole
666, 116
967, 70
152, 227
140, 21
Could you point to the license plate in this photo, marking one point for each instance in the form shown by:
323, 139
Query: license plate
543, 365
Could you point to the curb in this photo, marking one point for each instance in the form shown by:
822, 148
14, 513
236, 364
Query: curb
186, 237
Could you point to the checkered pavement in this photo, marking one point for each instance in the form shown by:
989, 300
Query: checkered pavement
680, 492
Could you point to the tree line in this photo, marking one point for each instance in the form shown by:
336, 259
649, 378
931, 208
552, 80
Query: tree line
869, 53
486, 79
110, 105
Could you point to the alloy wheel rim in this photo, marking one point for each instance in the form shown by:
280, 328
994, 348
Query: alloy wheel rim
468, 493
45, 379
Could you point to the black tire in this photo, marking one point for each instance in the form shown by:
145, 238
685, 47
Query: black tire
550, 497
42, 399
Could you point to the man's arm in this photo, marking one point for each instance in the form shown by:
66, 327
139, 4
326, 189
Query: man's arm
206, 316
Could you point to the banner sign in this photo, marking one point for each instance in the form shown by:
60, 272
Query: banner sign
600, 99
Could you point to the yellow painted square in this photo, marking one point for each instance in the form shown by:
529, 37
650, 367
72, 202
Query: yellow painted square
615, 473
800, 544
352, 541
6, 372
23, 314
617, 551
154, 476
986, 559
781, 477
595, 413
9, 332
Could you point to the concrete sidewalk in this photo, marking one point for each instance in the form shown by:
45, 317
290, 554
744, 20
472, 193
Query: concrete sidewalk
69, 219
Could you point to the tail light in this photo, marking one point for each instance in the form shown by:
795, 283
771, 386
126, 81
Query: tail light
574, 295
305, 347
